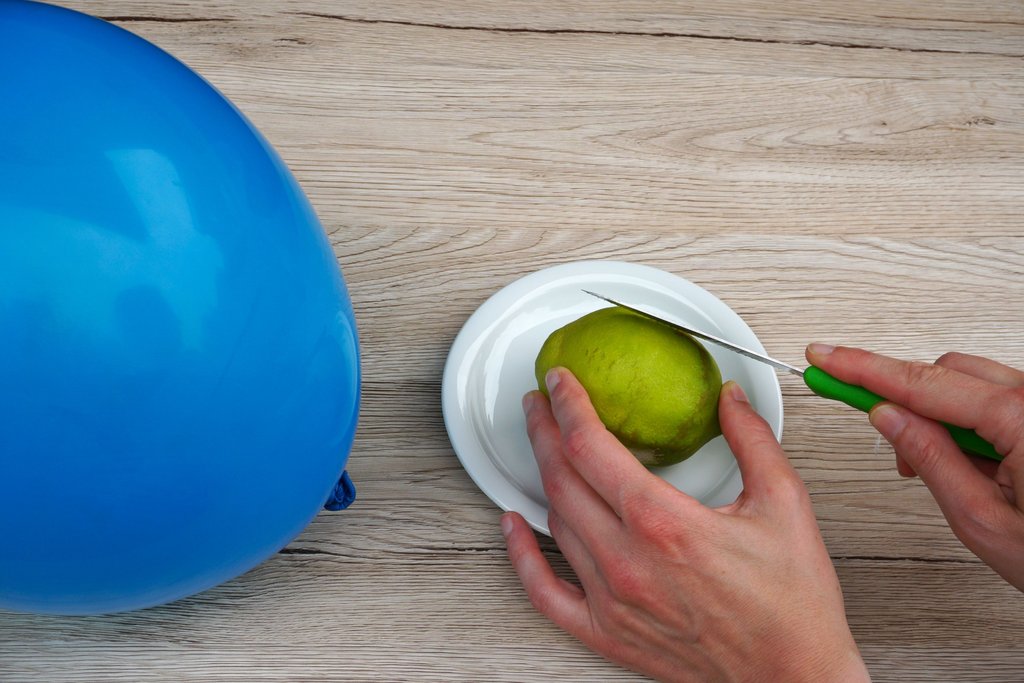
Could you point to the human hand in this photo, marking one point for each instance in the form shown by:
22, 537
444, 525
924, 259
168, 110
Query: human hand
983, 500
671, 588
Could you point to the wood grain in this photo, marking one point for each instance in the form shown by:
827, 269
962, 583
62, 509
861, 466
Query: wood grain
849, 172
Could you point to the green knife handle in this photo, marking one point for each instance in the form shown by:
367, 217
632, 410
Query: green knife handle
827, 386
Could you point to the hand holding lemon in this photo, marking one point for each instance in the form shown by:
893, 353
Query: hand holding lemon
666, 585
680, 591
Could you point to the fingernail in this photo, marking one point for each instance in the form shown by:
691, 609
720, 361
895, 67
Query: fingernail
819, 349
552, 379
736, 392
888, 420
528, 400
506, 524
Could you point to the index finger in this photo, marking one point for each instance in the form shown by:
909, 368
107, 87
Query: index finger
603, 462
934, 391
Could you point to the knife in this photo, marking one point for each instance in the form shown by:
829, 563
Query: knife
822, 383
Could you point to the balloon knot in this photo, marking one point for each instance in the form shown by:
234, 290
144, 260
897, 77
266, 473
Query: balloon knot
343, 494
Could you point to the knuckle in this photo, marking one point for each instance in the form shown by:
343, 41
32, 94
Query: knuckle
518, 553
657, 531
791, 492
1006, 410
633, 504
1009, 408
950, 359
625, 581
555, 484
660, 517
857, 361
560, 531
542, 600
641, 511
919, 451
918, 373
658, 526
576, 444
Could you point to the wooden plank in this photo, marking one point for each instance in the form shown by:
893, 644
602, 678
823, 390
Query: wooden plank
619, 131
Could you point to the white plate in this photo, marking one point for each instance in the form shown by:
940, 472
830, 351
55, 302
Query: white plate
490, 367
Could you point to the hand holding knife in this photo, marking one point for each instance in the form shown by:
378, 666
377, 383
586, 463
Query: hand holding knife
822, 383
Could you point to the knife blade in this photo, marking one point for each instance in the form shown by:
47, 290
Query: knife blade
777, 364
819, 381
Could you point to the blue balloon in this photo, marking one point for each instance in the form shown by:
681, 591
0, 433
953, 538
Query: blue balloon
179, 371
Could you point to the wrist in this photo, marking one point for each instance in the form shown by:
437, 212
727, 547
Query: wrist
829, 655
843, 665
850, 669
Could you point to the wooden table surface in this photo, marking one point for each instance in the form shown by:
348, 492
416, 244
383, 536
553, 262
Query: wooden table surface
851, 172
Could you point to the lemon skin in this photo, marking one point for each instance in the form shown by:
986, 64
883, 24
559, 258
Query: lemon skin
653, 387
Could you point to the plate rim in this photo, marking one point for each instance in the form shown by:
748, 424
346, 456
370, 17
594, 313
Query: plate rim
511, 293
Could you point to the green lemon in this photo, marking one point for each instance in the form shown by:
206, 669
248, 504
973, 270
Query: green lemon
654, 388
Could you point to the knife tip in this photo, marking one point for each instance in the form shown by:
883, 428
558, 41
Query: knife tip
587, 291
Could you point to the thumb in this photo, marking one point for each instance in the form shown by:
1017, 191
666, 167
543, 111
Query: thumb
962, 492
